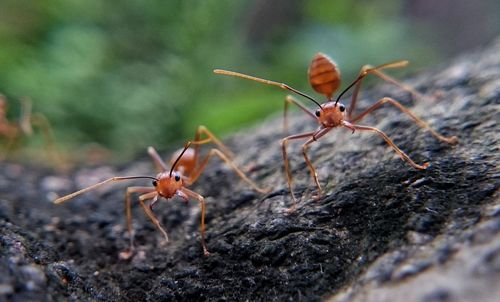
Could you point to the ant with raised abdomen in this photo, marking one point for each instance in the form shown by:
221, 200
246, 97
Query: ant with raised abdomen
185, 170
324, 77
12, 131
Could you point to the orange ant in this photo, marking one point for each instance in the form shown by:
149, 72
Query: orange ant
13, 130
185, 170
324, 77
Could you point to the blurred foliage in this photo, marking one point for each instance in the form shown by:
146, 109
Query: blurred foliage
128, 74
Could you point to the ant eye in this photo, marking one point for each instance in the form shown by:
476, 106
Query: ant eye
342, 108
177, 178
318, 113
155, 183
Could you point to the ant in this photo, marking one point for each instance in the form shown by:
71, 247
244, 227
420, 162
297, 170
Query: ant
324, 77
13, 130
185, 170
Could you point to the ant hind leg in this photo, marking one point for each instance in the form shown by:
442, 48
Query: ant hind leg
419, 121
216, 152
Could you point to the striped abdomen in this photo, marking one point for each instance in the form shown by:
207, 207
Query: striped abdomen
324, 75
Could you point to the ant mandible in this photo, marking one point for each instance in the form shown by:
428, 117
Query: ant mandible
185, 170
13, 130
324, 77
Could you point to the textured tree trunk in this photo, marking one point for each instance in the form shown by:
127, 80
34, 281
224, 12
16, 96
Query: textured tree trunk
382, 231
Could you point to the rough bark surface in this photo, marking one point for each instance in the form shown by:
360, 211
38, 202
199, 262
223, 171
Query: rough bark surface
382, 231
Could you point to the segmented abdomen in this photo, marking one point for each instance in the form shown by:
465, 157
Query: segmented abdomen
324, 75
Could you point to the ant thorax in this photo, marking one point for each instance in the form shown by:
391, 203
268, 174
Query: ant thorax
331, 114
168, 184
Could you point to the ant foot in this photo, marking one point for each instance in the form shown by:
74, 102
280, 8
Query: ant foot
126, 255
265, 190
206, 252
291, 210
452, 140
318, 196
426, 165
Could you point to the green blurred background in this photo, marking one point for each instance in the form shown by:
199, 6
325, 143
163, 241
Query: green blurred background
128, 74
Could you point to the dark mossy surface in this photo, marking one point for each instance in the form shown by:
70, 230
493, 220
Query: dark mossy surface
381, 225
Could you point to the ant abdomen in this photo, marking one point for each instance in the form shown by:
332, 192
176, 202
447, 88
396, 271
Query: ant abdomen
324, 75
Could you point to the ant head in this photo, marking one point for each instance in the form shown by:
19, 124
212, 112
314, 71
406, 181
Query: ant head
331, 114
167, 184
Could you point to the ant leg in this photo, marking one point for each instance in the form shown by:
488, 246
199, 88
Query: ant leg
25, 118
150, 214
210, 138
40, 121
159, 163
291, 100
400, 84
389, 142
128, 211
197, 172
319, 133
28, 120
355, 93
200, 198
420, 122
284, 143
367, 69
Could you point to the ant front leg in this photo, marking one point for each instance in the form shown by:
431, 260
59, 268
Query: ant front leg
403, 155
317, 135
289, 178
215, 152
150, 214
420, 122
128, 213
291, 100
188, 193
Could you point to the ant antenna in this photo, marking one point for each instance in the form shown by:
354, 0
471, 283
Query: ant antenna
264, 81
348, 87
186, 146
138, 177
112, 179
